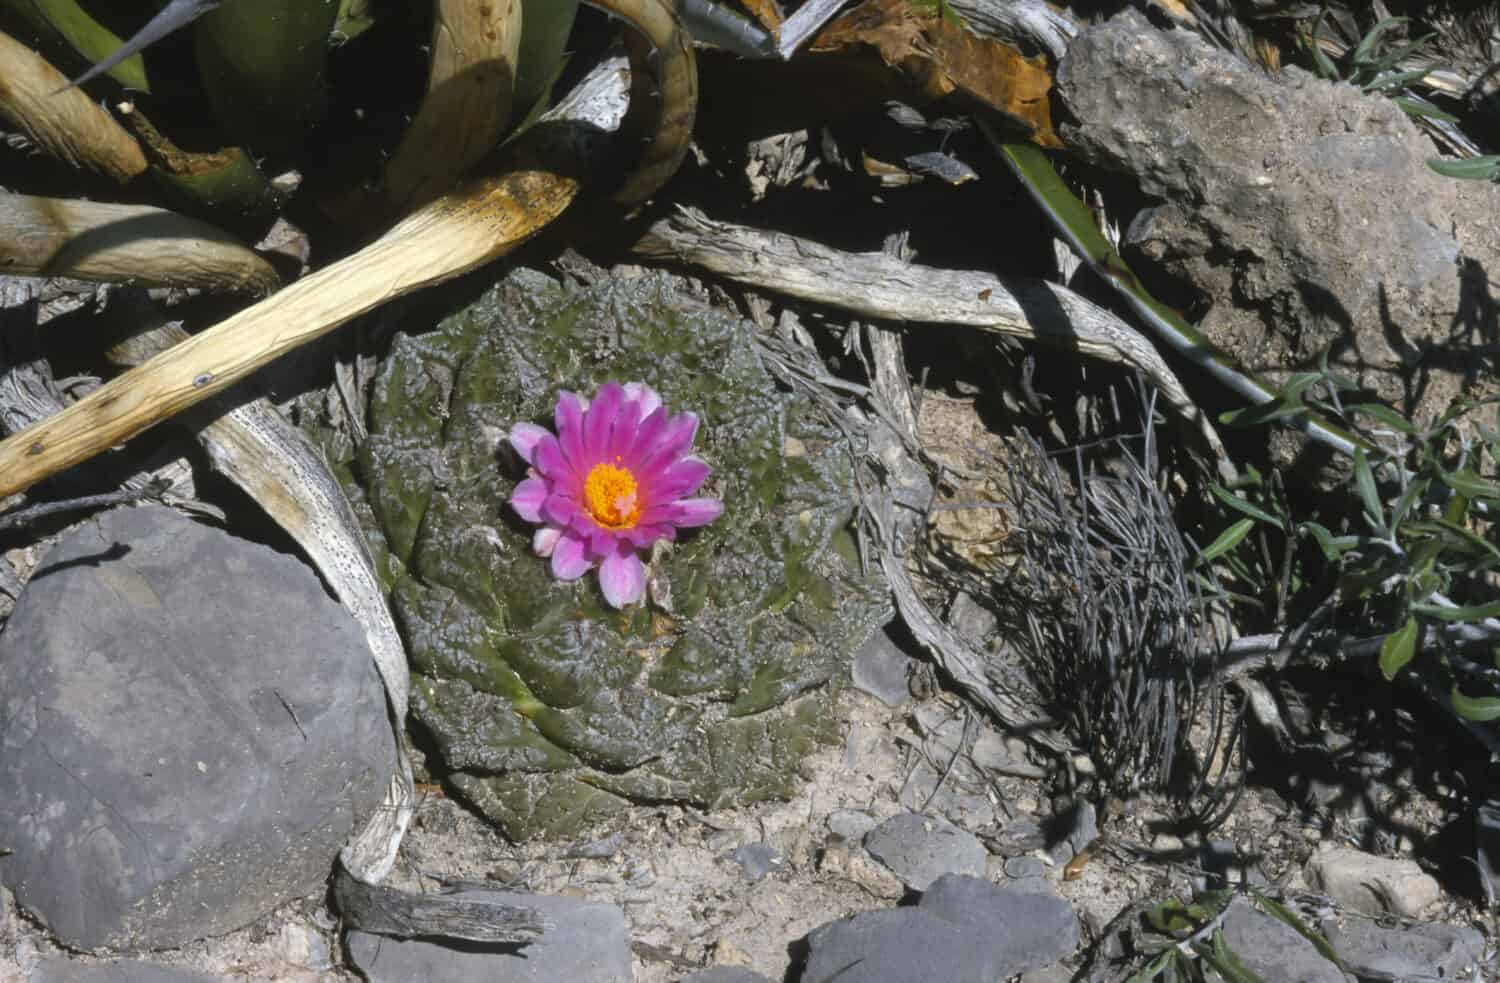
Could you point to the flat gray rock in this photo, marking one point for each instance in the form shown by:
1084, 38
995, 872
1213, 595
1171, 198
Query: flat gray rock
1023, 929
190, 728
724, 974
898, 945
1445, 952
587, 942
62, 969
880, 669
1273, 949
920, 849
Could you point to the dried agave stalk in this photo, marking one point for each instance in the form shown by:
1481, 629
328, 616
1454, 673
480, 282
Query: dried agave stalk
1105, 615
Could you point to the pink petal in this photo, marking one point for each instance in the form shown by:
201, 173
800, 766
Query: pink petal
682, 478
602, 542
646, 435
696, 511
524, 437
622, 578
548, 458
643, 396
560, 509
672, 444
599, 422
643, 535
527, 499
568, 559
544, 540
569, 419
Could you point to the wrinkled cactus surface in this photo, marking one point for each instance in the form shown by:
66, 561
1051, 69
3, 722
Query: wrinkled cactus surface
551, 709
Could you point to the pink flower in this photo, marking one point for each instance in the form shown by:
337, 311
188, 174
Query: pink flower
613, 480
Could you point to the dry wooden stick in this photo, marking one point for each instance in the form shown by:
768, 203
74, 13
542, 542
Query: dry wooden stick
483, 220
95, 240
67, 125
881, 286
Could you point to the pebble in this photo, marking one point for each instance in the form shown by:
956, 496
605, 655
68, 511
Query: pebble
919, 849
756, 860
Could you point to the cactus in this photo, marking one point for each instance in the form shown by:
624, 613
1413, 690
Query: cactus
550, 709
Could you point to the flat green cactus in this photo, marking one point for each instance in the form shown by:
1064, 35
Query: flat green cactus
550, 708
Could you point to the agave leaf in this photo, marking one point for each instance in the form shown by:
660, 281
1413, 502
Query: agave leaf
100, 46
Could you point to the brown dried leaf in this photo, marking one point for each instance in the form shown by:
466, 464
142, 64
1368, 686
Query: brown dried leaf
942, 58
765, 13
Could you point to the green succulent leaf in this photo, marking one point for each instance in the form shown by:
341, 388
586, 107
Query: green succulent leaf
1384, 414
1364, 479
1481, 708
1399, 647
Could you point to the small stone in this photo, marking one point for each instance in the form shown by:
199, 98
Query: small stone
190, 728
881, 667
304, 946
989, 751
1023, 929
727, 954
756, 860
1021, 835
586, 941
1370, 884
1166, 843
1080, 826
851, 824
920, 849
1025, 867
1432, 951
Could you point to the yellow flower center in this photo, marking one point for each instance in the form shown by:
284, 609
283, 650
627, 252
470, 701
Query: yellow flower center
609, 493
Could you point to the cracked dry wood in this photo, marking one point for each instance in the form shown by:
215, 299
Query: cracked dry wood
880, 286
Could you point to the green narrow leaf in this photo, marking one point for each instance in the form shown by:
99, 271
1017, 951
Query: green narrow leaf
1261, 413
1398, 648
1154, 968
1385, 415
1368, 43
1408, 498
1224, 961
1422, 108
1471, 485
1364, 479
1280, 911
1486, 168
1474, 612
1228, 540
1298, 383
1240, 505
1481, 708
1332, 546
